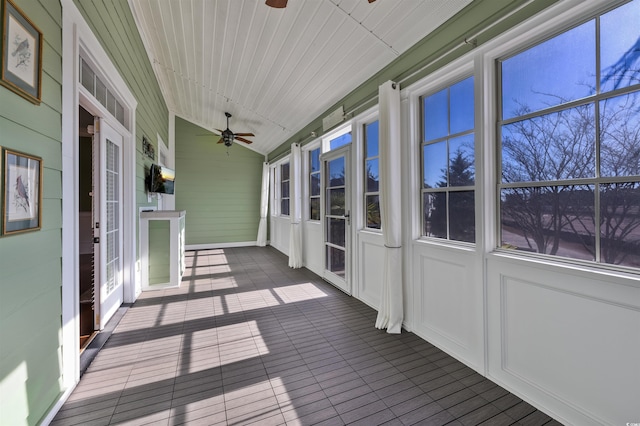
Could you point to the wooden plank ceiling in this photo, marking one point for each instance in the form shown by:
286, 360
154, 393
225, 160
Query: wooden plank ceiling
275, 70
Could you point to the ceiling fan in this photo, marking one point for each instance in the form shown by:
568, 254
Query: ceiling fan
227, 136
283, 3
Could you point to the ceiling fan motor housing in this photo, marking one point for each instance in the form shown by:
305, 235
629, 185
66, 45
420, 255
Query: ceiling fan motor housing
227, 137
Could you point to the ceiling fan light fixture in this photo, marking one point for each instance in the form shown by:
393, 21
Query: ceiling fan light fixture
278, 4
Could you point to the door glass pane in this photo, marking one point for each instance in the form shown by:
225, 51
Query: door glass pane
336, 231
112, 215
336, 171
336, 261
335, 203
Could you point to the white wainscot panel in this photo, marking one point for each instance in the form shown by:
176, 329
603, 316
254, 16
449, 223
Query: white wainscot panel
370, 268
568, 343
279, 233
449, 300
313, 247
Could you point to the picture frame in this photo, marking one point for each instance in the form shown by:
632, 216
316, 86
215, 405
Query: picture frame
21, 64
22, 193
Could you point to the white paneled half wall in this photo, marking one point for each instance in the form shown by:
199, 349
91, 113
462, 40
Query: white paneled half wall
557, 334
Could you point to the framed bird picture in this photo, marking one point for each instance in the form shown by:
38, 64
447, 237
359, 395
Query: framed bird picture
22, 190
21, 53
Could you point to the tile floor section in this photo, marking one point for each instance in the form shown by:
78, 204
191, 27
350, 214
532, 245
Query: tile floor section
247, 340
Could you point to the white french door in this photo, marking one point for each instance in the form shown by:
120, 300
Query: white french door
336, 217
107, 223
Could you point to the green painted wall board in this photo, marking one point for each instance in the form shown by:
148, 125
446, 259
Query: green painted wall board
30, 263
159, 253
220, 192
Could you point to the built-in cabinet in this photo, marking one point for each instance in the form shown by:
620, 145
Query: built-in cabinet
161, 248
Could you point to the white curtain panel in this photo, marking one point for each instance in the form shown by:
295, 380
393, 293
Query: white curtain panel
390, 312
261, 241
295, 207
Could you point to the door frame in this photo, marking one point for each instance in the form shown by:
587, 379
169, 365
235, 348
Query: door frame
78, 39
106, 305
343, 151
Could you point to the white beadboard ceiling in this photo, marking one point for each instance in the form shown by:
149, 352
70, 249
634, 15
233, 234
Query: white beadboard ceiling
275, 70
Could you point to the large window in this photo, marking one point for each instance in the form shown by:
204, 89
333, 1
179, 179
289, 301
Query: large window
284, 189
570, 143
314, 184
448, 163
371, 176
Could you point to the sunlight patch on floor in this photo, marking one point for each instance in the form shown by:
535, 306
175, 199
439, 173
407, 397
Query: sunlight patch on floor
299, 292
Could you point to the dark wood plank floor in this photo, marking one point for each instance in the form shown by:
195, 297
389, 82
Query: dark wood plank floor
246, 340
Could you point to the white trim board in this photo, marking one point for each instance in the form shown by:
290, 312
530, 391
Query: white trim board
221, 245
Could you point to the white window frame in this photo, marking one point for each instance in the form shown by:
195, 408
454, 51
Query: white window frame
551, 22
447, 190
275, 190
362, 190
280, 182
339, 131
452, 73
306, 171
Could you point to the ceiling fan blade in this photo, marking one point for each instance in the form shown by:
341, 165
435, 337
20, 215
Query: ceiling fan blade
371, 1
243, 140
244, 134
221, 140
276, 3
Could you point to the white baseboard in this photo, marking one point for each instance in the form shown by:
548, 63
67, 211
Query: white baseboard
220, 245
57, 406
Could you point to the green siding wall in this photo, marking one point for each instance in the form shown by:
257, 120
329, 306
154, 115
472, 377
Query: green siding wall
113, 24
30, 263
159, 253
220, 192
